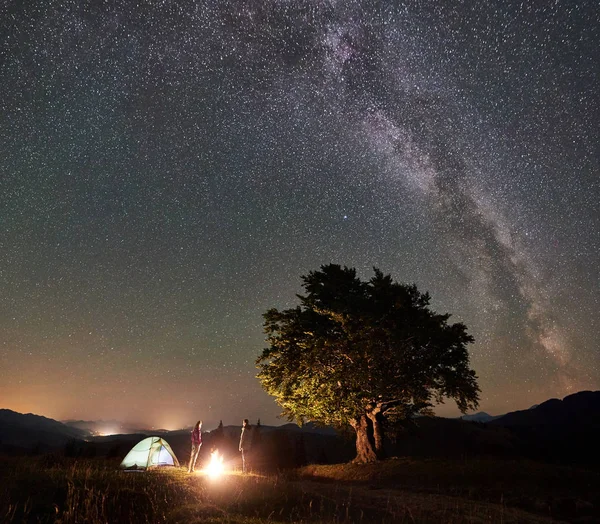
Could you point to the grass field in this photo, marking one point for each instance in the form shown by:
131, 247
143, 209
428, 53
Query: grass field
55, 489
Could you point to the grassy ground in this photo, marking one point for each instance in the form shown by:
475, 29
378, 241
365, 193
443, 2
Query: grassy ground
559, 492
59, 490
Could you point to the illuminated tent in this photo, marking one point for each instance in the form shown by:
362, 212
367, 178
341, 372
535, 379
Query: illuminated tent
151, 452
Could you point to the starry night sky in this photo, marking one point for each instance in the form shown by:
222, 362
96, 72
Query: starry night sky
169, 169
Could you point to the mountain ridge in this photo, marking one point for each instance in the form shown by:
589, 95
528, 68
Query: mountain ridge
572, 409
564, 430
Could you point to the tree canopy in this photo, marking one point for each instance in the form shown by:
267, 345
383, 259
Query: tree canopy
355, 352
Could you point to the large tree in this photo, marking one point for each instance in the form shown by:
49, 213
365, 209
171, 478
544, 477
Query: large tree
357, 353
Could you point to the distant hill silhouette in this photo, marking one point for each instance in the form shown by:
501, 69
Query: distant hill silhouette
481, 416
579, 408
566, 431
27, 431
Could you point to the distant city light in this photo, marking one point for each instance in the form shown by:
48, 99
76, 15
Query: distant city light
108, 432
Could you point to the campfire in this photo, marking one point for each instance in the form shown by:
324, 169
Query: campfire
215, 466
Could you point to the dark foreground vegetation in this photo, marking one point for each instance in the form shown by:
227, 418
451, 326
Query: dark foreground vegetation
58, 489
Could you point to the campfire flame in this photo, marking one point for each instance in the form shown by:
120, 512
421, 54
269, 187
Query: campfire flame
215, 466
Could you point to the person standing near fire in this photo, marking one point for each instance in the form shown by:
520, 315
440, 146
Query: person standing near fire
196, 445
245, 443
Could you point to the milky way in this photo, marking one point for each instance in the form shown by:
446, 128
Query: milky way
169, 170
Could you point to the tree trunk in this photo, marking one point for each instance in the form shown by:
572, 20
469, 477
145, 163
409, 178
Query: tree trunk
365, 451
375, 418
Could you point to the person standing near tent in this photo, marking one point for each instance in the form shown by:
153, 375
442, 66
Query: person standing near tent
245, 443
196, 445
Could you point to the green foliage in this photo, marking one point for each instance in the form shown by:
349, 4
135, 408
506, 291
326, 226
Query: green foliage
353, 347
